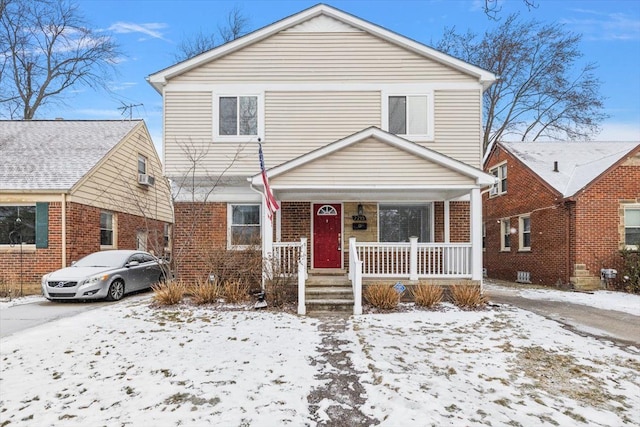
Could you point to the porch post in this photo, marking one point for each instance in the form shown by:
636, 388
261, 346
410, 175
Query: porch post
302, 276
476, 234
447, 223
413, 258
267, 239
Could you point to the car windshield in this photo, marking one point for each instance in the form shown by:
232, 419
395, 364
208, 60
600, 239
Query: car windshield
103, 259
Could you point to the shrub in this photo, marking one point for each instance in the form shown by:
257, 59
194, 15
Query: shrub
468, 296
279, 284
235, 292
382, 296
230, 266
205, 292
631, 271
427, 295
169, 293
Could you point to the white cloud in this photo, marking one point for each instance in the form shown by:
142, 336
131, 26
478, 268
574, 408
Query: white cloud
604, 26
151, 29
115, 86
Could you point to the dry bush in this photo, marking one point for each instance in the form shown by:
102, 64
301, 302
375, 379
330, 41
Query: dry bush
382, 296
280, 283
427, 295
169, 293
235, 292
468, 296
229, 266
205, 292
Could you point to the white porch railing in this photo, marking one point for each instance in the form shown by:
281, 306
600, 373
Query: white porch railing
292, 257
414, 260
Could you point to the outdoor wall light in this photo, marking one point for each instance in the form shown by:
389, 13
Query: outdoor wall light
360, 209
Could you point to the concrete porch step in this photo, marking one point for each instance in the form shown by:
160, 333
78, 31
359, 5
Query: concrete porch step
325, 281
328, 292
326, 306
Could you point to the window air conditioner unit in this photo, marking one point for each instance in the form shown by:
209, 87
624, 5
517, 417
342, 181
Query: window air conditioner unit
145, 179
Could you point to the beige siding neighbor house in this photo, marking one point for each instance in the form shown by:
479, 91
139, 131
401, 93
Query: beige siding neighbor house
371, 142
72, 187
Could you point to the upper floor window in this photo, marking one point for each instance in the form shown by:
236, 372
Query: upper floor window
238, 115
142, 164
17, 225
632, 227
499, 172
410, 115
525, 233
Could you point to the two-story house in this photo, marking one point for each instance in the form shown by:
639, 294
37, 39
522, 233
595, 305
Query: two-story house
561, 211
72, 187
368, 137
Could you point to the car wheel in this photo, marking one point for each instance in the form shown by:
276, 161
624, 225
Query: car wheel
116, 290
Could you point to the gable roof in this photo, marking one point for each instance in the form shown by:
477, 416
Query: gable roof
55, 154
481, 178
579, 163
160, 78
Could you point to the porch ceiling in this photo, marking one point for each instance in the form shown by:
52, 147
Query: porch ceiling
369, 194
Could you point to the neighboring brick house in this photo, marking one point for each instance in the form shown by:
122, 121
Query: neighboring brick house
561, 211
69, 188
366, 134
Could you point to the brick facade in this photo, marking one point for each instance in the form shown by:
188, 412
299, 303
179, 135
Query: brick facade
564, 232
83, 238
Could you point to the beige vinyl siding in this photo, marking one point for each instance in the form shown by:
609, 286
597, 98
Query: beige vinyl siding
295, 123
371, 162
292, 56
457, 125
113, 184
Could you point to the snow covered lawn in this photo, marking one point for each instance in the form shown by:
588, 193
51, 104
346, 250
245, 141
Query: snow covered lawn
131, 364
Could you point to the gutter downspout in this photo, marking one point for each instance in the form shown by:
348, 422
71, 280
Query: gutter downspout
64, 230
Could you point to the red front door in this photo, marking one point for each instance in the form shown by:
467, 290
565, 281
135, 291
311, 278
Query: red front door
327, 237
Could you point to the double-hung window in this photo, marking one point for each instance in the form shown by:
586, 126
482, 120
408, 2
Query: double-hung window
632, 227
505, 233
106, 229
142, 164
244, 225
525, 233
238, 117
398, 222
17, 225
499, 172
410, 115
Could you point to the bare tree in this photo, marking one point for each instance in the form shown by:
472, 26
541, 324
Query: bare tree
492, 8
542, 91
46, 48
236, 25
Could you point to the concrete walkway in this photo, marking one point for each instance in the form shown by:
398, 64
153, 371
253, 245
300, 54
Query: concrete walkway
616, 326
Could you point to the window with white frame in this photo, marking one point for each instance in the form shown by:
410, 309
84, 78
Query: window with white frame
410, 115
106, 229
525, 233
398, 222
632, 227
499, 172
244, 225
17, 225
142, 164
238, 116
505, 233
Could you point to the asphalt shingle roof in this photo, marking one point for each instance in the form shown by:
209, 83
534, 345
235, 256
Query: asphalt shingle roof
579, 163
54, 154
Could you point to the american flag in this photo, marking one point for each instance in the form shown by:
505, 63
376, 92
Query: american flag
270, 200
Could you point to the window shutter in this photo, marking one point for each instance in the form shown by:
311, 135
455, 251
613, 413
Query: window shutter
42, 225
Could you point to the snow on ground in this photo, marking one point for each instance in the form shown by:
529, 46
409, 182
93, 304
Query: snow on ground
605, 300
6, 303
133, 364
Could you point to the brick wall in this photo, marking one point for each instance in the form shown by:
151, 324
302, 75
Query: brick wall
199, 230
548, 259
83, 238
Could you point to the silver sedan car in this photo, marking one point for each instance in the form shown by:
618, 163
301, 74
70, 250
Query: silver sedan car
106, 274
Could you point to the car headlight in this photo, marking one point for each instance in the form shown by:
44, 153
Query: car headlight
95, 279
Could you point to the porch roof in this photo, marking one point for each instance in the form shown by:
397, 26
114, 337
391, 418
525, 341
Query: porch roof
373, 165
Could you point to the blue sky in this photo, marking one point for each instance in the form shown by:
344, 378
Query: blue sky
149, 32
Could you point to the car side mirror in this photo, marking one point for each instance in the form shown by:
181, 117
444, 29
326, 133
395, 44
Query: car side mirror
73, 262
133, 264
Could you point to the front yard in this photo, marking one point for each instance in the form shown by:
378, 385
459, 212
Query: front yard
130, 364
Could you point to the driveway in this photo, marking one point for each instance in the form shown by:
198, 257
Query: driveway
619, 327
